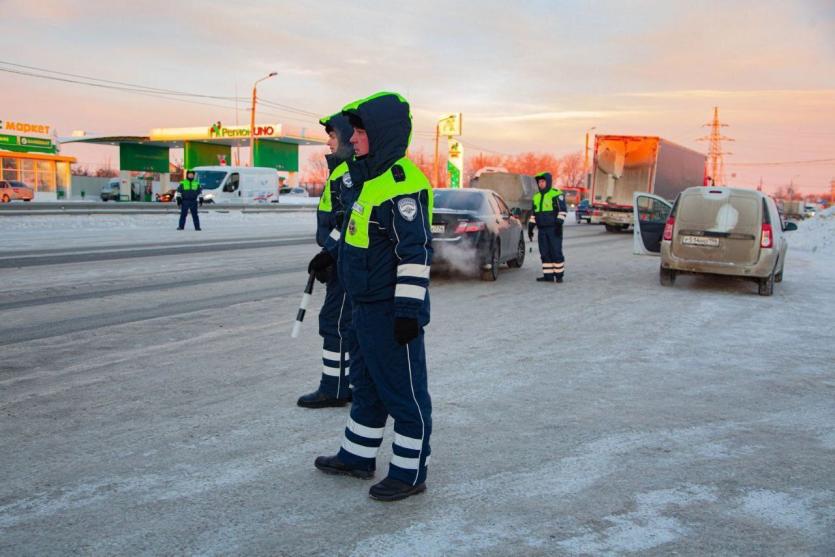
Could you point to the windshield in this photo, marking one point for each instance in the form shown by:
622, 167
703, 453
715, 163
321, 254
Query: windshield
210, 179
458, 200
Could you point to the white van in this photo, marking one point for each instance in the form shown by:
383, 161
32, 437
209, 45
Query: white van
237, 184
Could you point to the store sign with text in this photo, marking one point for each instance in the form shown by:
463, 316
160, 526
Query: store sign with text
14, 127
24, 143
216, 131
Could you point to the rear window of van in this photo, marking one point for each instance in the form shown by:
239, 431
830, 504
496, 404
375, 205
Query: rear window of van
720, 212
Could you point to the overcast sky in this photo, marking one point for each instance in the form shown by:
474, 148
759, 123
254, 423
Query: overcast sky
527, 76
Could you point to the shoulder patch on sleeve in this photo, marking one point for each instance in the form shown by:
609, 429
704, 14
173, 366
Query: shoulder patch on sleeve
407, 208
398, 173
346, 180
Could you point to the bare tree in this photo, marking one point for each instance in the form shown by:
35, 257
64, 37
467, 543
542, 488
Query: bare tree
316, 172
571, 170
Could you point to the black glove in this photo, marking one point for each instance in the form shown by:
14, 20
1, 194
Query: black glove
530, 231
405, 330
321, 266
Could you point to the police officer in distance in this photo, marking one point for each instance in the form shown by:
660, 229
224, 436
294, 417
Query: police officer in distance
549, 212
335, 315
384, 260
189, 190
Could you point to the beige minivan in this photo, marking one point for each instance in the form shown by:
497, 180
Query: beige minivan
713, 230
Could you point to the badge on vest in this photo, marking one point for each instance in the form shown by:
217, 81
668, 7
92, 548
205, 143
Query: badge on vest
357, 208
352, 227
408, 208
346, 180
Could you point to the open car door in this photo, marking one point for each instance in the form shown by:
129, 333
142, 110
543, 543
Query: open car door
650, 214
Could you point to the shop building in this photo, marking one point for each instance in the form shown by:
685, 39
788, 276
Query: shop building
29, 154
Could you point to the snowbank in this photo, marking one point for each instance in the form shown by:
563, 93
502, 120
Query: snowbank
815, 235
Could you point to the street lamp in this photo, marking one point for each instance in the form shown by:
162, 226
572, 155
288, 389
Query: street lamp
252, 119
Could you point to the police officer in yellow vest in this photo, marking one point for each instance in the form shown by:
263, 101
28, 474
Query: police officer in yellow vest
384, 261
335, 315
549, 212
189, 191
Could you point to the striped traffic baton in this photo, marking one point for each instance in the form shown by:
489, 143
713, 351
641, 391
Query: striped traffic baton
308, 291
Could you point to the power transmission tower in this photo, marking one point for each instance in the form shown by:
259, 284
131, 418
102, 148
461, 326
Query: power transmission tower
716, 160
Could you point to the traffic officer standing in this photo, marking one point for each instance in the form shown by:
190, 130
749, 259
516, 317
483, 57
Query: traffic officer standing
335, 315
549, 212
189, 190
384, 261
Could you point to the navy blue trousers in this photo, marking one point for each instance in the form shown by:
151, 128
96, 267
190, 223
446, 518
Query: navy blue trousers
550, 250
338, 341
388, 380
184, 210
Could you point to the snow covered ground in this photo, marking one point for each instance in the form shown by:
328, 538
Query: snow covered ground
33, 232
150, 405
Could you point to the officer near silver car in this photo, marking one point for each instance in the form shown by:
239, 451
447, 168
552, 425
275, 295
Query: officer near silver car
335, 315
549, 213
189, 190
384, 261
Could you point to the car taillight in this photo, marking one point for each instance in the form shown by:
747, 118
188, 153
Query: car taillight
464, 227
767, 238
596, 212
668, 228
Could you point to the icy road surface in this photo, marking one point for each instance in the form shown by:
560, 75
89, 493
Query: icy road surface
147, 403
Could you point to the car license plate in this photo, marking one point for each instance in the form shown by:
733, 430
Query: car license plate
437, 229
700, 241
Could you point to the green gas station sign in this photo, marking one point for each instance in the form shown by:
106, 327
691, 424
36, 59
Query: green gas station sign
273, 154
143, 158
24, 143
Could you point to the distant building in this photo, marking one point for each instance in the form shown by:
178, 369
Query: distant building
29, 154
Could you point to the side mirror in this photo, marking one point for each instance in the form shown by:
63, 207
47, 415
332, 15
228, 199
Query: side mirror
789, 226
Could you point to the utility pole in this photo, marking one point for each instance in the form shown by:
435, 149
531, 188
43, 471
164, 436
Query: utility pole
252, 119
716, 161
435, 168
586, 158
238, 146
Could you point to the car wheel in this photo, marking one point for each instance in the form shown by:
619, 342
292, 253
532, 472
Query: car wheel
766, 285
492, 273
6, 198
612, 228
667, 277
779, 276
520, 255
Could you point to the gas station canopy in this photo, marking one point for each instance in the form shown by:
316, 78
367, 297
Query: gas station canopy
275, 146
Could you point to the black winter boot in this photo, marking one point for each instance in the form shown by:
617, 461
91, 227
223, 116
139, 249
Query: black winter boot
317, 399
332, 465
394, 490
